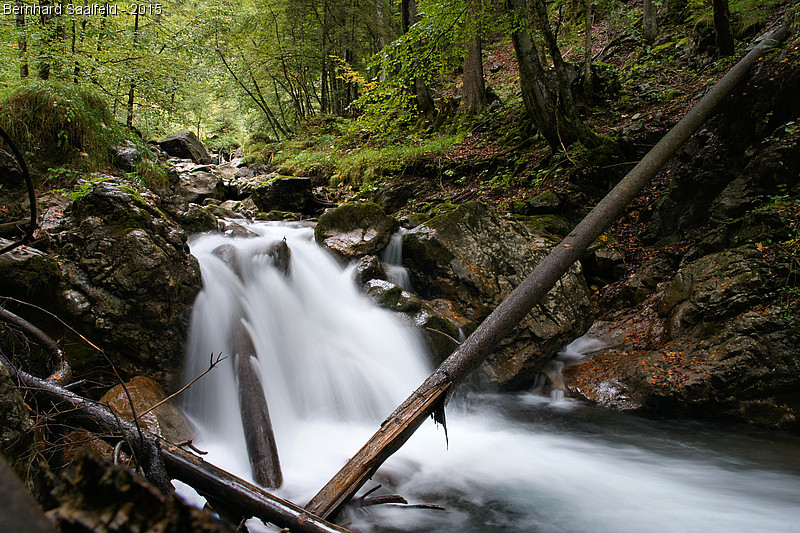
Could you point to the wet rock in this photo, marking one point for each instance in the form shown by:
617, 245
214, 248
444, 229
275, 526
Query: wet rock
127, 158
392, 297
721, 284
165, 420
130, 262
474, 258
197, 186
232, 229
185, 145
283, 193
196, 219
746, 371
368, 268
642, 283
17, 443
548, 202
353, 230
28, 274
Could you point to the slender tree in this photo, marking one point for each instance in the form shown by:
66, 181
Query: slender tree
649, 24
474, 86
722, 25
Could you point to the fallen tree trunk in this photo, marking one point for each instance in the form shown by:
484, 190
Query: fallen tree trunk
259, 437
162, 461
431, 395
262, 450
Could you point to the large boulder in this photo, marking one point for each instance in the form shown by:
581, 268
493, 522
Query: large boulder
138, 396
131, 280
185, 145
475, 258
284, 193
354, 230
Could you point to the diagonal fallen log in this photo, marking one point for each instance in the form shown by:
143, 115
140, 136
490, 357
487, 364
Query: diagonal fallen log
162, 461
431, 395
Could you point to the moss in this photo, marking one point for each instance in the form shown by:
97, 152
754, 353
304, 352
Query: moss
62, 123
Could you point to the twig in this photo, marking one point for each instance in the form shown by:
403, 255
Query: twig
457, 342
212, 364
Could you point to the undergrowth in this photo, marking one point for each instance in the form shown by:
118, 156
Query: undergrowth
61, 123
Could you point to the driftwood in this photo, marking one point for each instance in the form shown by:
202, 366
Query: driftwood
162, 461
431, 395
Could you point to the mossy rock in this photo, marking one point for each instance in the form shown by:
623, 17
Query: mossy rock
28, 274
354, 230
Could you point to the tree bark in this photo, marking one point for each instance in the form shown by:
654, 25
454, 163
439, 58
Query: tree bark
649, 24
259, 438
429, 398
722, 25
474, 87
588, 82
22, 42
570, 124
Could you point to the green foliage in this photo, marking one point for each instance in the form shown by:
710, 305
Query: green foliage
151, 173
745, 14
61, 122
83, 188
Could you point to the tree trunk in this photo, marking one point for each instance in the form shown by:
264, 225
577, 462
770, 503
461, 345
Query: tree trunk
649, 24
132, 89
259, 438
22, 42
588, 81
430, 397
569, 121
474, 87
722, 25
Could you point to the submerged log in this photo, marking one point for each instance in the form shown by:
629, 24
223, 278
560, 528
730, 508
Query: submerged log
262, 450
259, 437
164, 461
429, 398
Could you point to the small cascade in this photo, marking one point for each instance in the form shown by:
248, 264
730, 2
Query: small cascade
552, 376
392, 258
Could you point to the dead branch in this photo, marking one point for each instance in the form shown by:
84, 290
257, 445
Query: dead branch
62, 372
212, 364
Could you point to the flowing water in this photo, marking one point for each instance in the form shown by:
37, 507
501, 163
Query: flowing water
333, 366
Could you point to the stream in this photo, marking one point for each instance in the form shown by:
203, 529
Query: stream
334, 366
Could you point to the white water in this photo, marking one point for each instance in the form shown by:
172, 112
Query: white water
334, 366
392, 259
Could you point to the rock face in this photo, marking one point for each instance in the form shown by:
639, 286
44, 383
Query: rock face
131, 280
354, 230
474, 258
713, 343
185, 145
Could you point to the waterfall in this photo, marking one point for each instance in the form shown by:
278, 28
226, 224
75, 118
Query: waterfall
333, 366
392, 258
